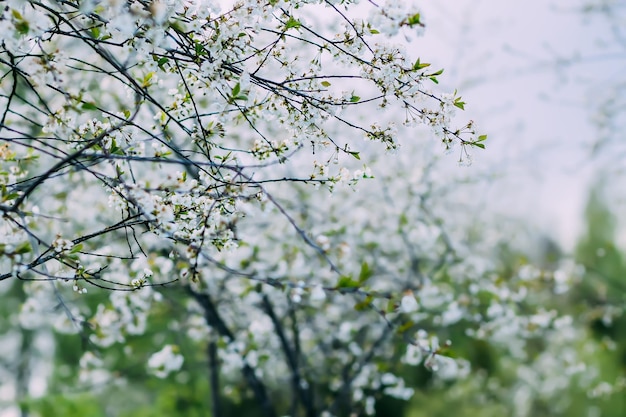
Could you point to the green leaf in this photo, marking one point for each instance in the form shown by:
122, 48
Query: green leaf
22, 249
177, 25
200, 51
406, 326
77, 248
365, 273
146, 79
459, 104
236, 90
22, 27
479, 145
346, 281
419, 65
162, 61
20, 23
116, 149
434, 79
89, 106
325, 83
354, 99
355, 154
362, 305
10, 196
482, 138
414, 20
292, 23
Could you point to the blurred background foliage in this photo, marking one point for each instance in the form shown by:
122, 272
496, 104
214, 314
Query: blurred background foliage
499, 383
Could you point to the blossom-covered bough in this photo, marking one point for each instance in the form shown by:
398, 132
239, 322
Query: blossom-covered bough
171, 152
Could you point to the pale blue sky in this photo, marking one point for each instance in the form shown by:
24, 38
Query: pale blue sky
533, 74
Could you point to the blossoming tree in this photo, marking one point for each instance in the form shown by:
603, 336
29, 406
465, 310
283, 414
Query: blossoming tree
182, 175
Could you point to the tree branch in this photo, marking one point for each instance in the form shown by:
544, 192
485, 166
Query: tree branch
215, 321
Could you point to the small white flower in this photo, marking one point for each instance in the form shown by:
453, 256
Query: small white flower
323, 242
62, 245
408, 304
414, 355
165, 361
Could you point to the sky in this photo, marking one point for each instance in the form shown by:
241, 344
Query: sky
533, 74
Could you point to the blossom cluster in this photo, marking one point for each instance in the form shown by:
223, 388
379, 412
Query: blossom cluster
149, 146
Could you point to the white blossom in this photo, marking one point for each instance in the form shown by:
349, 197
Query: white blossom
165, 361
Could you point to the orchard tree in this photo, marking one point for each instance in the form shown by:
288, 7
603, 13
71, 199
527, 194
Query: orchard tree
184, 195
187, 185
